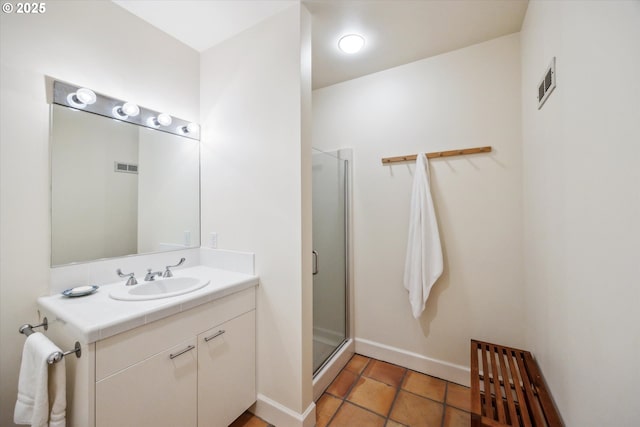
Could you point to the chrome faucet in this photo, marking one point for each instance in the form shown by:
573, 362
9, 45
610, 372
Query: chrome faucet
131, 278
168, 273
150, 276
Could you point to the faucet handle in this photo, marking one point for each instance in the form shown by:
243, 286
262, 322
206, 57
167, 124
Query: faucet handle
132, 279
168, 273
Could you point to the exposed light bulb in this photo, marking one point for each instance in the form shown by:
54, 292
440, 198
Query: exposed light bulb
351, 43
128, 109
86, 96
163, 119
81, 98
190, 128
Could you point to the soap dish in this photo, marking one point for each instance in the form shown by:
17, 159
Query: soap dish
80, 291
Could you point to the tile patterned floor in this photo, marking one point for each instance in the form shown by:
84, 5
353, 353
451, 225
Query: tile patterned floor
249, 420
372, 393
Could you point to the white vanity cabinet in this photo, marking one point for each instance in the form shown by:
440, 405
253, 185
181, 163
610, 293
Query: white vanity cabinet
180, 370
226, 371
158, 391
195, 368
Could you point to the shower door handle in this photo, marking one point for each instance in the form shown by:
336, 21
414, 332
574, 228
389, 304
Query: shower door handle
315, 262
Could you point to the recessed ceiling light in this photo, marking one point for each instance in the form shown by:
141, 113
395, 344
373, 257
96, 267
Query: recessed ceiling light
351, 43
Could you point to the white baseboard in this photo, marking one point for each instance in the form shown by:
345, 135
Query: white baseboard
417, 362
279, 415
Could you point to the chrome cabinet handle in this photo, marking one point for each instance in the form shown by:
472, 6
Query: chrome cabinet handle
315, 262
181, 352
217, 334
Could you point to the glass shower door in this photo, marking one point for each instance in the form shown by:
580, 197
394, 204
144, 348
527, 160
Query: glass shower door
329, 256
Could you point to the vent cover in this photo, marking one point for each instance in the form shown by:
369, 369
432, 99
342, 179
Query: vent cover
125, 167
547, 84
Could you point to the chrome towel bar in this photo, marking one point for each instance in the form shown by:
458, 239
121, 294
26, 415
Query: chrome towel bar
56, 356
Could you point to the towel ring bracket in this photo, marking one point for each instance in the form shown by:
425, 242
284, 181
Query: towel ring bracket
28, 329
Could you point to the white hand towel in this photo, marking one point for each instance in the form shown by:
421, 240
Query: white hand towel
40, 384
423, 265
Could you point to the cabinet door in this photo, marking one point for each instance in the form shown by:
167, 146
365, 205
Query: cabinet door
226, 371
159, 391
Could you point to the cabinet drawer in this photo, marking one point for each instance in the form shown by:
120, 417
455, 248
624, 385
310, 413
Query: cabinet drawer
123, 350
226, 371
159, 391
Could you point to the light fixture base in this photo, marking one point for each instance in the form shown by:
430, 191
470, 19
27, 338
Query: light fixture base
65, 94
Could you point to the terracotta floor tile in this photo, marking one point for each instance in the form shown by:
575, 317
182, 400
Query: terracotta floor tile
385, 372
341, 385
456, 418
425, 385
391, 423
325, 408
459, 396
357, 364
351, 416
373, 395
248, 420
416, 411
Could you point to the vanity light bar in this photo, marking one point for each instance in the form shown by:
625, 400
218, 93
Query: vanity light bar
68, 95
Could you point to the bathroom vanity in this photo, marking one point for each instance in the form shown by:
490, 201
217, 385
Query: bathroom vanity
185, 360
167, 351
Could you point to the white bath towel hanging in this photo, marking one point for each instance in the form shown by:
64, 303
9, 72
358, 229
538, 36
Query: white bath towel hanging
423, 265
41, 387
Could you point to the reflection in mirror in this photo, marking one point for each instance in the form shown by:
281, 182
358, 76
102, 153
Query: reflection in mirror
120, 189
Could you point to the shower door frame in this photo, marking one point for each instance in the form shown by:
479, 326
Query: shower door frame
338, 154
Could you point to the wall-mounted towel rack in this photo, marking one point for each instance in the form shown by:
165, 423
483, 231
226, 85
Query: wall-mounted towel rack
56, 356
435, 154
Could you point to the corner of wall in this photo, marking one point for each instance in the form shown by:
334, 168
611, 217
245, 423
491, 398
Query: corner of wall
280, 415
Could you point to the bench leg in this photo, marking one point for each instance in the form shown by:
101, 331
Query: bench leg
476, 420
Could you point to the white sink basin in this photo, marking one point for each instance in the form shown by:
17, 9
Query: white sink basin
159, 288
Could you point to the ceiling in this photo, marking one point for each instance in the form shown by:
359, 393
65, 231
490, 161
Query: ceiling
396, 31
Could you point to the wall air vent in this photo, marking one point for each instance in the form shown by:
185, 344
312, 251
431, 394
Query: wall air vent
547, 84
125, 167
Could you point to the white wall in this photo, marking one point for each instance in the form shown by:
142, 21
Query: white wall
582, 206
256, 165
76, 42
466, 98
94, 210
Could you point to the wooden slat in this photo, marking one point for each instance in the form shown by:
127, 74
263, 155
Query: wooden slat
498, 390
550, 411
521, 400
488, 408
476, 420
505, 375
475, 384
532, 402
437, 154
488, 422
510, 384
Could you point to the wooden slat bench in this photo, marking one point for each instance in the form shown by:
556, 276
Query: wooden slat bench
507, 389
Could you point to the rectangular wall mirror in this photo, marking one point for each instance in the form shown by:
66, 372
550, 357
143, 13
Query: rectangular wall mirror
120, 189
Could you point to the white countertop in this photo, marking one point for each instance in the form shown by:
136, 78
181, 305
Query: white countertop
98, 316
